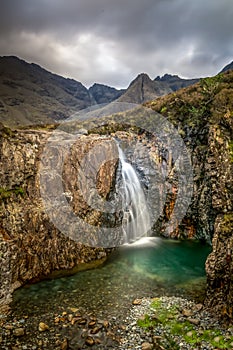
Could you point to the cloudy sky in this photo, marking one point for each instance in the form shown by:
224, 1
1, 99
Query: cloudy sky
112, 41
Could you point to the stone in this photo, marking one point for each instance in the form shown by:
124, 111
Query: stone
189, 334
9, 327
70, 317
194, 321
217, 339
43, 327
147, 346
82, 321
64, 344
19, 332
105, 324
74, 309
95, 330
91, 324
198, 307
57, 320
89, 341
187, 312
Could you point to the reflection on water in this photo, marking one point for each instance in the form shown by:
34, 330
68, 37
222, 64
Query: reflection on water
150, 267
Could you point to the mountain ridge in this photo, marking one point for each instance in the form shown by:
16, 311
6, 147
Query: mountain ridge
30, 94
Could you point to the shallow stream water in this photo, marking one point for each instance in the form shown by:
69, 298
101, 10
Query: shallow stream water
151, 267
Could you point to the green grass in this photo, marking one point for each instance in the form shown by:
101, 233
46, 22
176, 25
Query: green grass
6, 193
189, 333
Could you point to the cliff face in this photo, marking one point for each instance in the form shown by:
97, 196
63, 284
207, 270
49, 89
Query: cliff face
219, 265
31, 247
203, 114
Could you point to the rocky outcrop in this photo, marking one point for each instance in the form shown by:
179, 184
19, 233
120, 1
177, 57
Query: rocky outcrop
219, 265
31, 246
203, 116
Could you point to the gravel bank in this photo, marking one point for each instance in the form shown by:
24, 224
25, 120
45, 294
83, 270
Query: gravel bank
173, 323
165, 323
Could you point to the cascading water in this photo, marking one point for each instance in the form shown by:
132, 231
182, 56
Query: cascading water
136, 218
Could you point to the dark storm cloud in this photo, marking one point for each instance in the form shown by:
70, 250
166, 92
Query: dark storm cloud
111, 41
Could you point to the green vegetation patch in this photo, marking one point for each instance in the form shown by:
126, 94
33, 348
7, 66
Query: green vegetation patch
231, 151
180, 329
6, 193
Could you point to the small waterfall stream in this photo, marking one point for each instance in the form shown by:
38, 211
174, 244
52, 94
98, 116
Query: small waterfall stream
136, 218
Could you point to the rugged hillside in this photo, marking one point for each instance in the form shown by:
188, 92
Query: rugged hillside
175, 82
144, 89
31, 95
104, 94
203, 113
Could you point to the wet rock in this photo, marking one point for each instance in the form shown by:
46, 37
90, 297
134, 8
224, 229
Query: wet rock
19, 332
43, 327
64, 344
89, 341
95, 330
92, 324
106, 324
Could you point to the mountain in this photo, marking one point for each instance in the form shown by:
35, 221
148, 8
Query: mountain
144, 89
227, 67
175, 82
104, 94
30, 94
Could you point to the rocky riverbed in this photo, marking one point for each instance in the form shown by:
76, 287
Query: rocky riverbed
168, 322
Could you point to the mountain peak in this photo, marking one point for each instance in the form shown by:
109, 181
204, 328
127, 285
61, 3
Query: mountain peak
143, 89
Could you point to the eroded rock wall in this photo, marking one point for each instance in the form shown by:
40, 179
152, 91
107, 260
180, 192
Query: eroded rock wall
31, 246
219, 265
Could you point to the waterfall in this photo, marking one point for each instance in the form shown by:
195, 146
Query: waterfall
136, 218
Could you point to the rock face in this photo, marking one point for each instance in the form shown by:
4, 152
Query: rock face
203, 114
31, 246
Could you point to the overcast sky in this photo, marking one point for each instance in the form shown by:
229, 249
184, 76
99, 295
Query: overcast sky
112, 41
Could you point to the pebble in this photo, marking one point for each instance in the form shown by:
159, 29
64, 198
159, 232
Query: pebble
194, 321
43, 327
19, 332
81, 329
147, 346
64, 344
89, 341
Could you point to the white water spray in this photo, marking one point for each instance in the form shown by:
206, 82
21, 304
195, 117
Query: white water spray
136, 218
